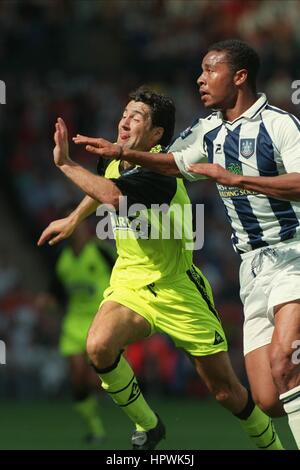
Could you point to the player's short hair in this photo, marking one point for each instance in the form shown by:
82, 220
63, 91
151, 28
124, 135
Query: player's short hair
162, 111
240, 56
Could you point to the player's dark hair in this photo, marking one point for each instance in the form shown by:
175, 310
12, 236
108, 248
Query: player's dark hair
162, 111
240, 56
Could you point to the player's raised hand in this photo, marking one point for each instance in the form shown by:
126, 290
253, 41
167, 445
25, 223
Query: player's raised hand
100, 147
215, 172
61, 149
56, 231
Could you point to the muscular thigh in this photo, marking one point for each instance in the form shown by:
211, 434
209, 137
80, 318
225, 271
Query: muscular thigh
115, 322
287, 326
284, 346
262, 386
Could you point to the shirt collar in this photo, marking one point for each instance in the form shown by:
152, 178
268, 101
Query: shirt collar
251, 112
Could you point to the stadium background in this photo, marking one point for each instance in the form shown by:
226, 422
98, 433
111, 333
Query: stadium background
79, 59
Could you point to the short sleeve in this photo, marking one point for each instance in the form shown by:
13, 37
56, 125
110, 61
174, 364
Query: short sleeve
288, 142
146, 187
102, 164
188, 149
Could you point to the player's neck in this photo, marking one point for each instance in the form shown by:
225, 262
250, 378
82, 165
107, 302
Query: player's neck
243, 102
124, 165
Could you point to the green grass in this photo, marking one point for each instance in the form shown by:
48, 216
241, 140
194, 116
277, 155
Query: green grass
191, 424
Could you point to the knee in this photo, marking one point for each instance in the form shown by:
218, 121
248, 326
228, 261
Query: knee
270, 406
222, 395
222, 392
100, 351
224, 388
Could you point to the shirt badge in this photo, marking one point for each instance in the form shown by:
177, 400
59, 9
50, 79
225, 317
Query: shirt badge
247, 147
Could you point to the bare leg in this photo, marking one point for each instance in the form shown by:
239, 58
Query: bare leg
217, 373
113, 328
263, 388
221, 380
285, 369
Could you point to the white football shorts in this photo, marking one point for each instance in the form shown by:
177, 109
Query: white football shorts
269, 276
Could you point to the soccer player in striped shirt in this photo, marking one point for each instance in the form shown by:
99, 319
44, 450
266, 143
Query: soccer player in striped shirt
252, 151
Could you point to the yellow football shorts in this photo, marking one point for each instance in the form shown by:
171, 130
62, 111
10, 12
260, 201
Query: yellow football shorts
181, 307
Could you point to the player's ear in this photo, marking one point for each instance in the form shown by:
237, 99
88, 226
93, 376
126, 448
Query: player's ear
240, 77
157, 133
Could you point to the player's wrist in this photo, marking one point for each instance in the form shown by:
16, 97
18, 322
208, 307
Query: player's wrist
120, 153
75, 217
238, 181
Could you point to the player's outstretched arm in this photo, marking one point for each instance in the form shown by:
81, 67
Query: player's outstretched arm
215, 172
63, 228
286, 186
159, 162
56, 231
98, 188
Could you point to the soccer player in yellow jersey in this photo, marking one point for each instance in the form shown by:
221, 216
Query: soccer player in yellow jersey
154, 284
83, 270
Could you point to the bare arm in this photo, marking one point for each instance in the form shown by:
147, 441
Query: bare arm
281, 187
97, 187
63, 228
285, 186
159, 162
87, 206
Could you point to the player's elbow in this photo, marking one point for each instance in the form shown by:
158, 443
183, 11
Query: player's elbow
169, 166
111, 199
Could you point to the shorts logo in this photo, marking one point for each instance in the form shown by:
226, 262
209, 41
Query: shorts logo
218, 338
247, 147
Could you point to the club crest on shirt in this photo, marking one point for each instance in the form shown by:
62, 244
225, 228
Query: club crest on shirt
247, 147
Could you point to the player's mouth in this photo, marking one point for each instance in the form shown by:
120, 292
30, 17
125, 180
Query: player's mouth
203, 93
124, 137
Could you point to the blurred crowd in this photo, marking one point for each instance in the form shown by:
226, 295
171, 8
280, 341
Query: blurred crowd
79, 60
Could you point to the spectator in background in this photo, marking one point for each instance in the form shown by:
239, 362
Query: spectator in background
83, 271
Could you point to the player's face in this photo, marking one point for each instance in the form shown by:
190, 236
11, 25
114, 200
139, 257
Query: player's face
216, 82
135, 127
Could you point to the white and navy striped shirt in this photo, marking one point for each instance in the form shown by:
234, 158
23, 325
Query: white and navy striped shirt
263, 141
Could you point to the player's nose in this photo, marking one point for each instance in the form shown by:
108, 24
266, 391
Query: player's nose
201, 80
125, 123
